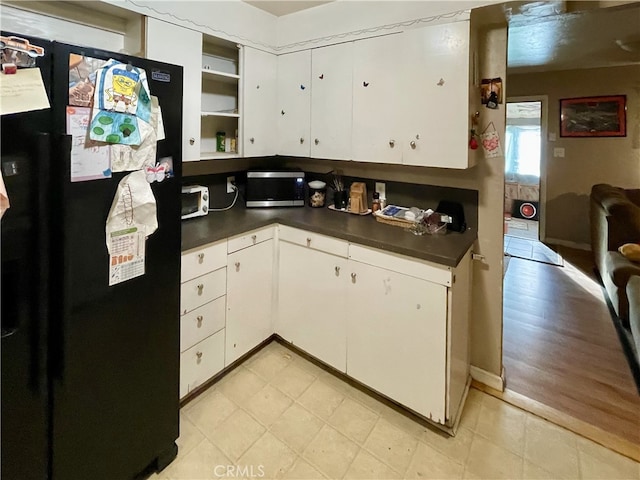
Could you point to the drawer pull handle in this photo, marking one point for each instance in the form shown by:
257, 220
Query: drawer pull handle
337, 271
254, 238
353, 278
199, 355
192, 141
200, 257
392, 143
200, 289
308, 242
199, 319
237, 266
316, 141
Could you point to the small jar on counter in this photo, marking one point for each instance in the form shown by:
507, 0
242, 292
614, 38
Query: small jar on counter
376, 205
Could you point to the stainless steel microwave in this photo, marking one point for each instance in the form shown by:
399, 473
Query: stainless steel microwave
275, 188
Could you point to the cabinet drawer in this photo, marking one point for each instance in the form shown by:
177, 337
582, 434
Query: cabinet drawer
198, 324
315, 241
201, 290
250, 238
401, 264
199, 261
201, 362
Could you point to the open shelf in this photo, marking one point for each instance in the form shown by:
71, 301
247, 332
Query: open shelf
218, 155
220, 76
220, 114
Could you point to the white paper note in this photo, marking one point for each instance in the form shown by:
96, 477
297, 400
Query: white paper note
90, 160
22, 91
126, 260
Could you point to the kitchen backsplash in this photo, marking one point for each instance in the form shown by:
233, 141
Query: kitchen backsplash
397, 193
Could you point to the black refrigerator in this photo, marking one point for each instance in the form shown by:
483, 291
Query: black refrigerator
90, 372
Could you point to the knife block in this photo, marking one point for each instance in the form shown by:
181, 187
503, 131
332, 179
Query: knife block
358, 197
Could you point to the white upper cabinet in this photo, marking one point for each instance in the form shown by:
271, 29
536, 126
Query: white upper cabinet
294, 104
161, 45
331, 101
435, 104
260, 104
220, 99
377, 95
211, 97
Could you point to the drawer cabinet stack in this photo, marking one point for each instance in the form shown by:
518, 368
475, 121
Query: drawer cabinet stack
202, 314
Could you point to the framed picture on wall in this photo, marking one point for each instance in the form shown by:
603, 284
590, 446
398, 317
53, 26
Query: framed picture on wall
593, 116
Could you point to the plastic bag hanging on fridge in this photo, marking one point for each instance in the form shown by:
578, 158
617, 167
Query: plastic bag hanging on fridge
132, 218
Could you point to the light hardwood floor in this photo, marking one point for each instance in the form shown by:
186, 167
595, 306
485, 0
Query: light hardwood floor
560, 346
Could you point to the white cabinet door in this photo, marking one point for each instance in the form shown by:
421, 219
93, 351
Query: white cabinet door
377, 97
311, 303
294, 103
436, 99
249, 299
259, 116
161, 45
397, 337
331, 101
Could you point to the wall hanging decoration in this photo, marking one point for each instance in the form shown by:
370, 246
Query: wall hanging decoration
491, 92
490, 141
593, 116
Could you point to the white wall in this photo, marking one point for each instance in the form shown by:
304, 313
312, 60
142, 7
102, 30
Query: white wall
51, 28
231, 20
341, 21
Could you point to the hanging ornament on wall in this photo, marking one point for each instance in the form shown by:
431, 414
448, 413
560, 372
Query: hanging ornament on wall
473, 143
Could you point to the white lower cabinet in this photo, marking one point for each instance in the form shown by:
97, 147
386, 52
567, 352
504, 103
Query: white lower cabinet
202, 321
201, 362
249, 298
312, 289
396, 337
396, 324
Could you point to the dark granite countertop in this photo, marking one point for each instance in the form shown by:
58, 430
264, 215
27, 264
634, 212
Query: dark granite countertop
364, 230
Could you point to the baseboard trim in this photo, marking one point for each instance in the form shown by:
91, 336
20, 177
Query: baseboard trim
487, 378
580, 427
567, 243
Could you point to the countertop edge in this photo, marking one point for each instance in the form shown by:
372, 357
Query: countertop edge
197, 233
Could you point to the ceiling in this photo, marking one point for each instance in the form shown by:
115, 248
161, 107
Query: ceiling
282, 7
551, 38
548, 35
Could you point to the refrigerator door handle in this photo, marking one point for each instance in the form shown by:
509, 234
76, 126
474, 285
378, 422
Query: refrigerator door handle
51, 206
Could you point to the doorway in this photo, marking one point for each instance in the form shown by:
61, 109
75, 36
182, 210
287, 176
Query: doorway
524, 166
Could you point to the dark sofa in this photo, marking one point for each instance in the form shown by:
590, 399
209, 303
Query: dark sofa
615, 221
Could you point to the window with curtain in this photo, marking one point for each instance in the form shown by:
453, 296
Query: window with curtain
522, 151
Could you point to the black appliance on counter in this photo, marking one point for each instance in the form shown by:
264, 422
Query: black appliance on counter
90, 373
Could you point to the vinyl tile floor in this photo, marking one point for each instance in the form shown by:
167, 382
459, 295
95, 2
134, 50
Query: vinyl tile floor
280, 416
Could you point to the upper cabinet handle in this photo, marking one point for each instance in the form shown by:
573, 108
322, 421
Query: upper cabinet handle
317, 141
252, 139
413, 145
392, 143
237, 266
301, 140
192, 141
